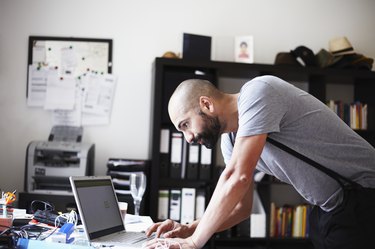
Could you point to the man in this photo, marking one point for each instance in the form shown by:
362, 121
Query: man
270, 108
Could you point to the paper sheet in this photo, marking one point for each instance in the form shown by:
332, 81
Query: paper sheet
37, 86
98, 98
60, 92
135, 223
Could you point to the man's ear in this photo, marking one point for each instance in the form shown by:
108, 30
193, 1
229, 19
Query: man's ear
206, 104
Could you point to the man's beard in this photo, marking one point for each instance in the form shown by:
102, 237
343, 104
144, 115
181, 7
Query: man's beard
211, 131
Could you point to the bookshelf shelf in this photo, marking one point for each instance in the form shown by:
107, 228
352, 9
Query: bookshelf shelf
168, 73
169, 183
246, 242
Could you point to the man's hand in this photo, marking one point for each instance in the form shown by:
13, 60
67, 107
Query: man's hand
170, 229
169, 243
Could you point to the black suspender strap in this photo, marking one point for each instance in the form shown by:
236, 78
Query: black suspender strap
339, 178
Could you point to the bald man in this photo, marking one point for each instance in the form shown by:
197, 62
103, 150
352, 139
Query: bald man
268, 107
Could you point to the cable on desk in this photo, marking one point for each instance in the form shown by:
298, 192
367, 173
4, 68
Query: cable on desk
47, 206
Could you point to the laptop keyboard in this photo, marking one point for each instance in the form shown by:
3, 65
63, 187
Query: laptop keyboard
125, 238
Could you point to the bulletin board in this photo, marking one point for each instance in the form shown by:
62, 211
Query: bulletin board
70, 55
72, 78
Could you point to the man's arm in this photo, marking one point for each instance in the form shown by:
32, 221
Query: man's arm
234, 183
240, 212
171, 229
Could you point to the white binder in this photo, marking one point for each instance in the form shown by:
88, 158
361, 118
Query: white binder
257, 218
175, 204
187, 205
163, 204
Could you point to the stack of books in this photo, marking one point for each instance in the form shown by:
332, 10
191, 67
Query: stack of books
354, 114
289, 221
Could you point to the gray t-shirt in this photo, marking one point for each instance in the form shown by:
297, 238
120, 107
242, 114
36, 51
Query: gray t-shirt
298, 120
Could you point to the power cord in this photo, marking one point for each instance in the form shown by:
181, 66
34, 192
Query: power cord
11, 234
70, 217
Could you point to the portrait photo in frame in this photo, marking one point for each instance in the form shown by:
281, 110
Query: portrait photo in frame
244, 49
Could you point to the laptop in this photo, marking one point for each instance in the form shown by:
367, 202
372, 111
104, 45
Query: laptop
100, 213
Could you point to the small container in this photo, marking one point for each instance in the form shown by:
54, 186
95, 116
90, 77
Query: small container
123, 208
6, 222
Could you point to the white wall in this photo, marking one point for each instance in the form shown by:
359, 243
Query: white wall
142, 30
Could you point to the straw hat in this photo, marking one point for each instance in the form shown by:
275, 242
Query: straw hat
340, 46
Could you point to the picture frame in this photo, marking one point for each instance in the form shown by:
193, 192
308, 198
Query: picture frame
244, 49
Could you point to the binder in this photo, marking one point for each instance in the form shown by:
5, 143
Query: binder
257, 218
200, 204
193, 162
164, 153
187, 205
176, 155
184, 155
205, 164
175, 204
163, 203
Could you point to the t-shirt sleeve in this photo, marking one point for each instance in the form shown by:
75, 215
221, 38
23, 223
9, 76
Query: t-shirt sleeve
261, 109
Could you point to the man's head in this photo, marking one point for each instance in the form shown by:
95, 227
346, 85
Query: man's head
192, 111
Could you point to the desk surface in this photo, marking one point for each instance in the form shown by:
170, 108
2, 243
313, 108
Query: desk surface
132, 223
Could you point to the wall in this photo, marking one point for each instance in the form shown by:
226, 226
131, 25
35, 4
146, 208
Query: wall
142, 30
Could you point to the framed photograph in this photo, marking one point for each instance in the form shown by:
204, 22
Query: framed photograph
244, 49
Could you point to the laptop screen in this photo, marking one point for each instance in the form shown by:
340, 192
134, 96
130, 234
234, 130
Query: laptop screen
98, 204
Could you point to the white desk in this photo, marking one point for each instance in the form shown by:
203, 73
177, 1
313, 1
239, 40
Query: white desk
132, 223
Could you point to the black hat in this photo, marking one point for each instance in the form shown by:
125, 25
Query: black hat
285, 58
305, 55
354, 61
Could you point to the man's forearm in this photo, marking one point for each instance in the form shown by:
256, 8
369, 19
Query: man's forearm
235, 183
240, 213
227, 194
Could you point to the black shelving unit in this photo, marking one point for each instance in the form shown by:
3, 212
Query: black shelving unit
317, 79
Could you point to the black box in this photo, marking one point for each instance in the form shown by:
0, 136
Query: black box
196, 47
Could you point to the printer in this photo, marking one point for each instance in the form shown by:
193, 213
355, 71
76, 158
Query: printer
50, 163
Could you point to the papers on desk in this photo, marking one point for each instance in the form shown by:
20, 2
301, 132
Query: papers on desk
74, 100
135, 223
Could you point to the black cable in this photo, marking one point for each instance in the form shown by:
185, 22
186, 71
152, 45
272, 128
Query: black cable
47, 206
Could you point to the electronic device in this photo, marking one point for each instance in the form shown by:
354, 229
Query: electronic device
49, 217
50, 163
100, 213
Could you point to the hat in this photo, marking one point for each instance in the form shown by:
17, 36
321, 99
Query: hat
326, 59
170, 54
285, 58
304, 54
354, 61
340, 46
